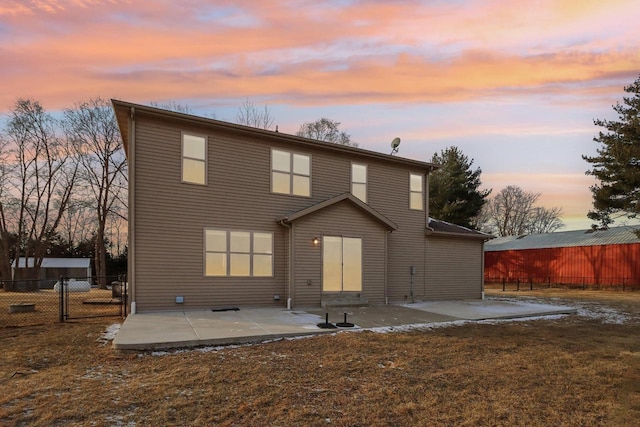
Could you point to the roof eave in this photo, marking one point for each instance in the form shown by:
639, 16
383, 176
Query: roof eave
390, 225
123, 109
479, 236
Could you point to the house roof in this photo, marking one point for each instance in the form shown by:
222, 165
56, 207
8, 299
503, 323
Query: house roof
332, 201
124, 110
611, 236
56, 263
443, 228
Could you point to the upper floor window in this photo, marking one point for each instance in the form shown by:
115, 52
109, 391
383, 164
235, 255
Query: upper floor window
238, 253
359, 181
416, 191
290, 173
194, 159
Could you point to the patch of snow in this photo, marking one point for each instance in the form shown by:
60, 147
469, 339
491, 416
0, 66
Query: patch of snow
73, 285
604, 314
590, 310
109, 334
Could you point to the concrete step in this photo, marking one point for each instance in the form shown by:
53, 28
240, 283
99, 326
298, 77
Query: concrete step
343, 300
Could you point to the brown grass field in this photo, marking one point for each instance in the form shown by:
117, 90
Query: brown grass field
577, 370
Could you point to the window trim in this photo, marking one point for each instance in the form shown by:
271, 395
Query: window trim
291, 172
366, 180
228, 252
421, 192
205, 160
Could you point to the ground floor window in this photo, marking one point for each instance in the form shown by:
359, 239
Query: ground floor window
238, 253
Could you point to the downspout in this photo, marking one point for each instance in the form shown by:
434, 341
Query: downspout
426, 202
386, 271
482, 269
424, 247
289, 260
131, 272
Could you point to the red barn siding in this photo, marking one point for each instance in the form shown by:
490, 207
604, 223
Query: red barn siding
588, 265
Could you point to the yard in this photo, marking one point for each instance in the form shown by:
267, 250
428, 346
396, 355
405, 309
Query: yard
580, 370
97, 302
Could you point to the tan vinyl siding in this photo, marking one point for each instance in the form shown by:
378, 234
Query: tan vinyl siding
389, 194
170, 217
454, 268
341, 219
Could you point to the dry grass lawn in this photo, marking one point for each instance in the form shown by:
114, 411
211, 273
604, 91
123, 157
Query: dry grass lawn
575, 370
47, 306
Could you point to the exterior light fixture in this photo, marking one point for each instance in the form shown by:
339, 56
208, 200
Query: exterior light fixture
316, 241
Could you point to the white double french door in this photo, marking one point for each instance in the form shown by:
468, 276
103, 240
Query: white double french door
341, 264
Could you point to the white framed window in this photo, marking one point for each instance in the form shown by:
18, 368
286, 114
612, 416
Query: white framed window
238, 253
194, 159
290, 173
416, 192
359, 181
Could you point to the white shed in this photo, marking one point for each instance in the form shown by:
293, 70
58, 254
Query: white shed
52, 268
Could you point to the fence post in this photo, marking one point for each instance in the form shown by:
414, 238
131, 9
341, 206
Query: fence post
504, 282
518, 284
61, 305
530, 283
548, 282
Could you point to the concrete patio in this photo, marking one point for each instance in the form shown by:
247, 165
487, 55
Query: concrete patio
178, 329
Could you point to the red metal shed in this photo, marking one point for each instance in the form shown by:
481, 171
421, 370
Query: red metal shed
582, 257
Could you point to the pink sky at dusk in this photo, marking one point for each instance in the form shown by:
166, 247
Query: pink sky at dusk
514, 84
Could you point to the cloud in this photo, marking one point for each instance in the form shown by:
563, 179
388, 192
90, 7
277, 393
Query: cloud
364, 52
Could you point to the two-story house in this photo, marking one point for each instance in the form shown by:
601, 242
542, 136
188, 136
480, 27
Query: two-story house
224, 215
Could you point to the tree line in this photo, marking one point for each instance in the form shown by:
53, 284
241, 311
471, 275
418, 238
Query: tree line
62, 183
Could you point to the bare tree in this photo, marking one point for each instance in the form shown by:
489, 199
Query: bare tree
326, 130
545, 220
42, 181
78, 222
92, 128
172, 106
6, 235
250, 115
512, 213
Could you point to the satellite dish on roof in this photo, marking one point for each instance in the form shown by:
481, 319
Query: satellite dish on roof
394, 145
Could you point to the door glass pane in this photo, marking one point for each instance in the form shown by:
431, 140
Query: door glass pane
239, 264
301, 164
331, 264
193, 146
239, 241
301, 185
352, 265
262, 265
280, 161
216, 264
216, 240
193, 171
281, 183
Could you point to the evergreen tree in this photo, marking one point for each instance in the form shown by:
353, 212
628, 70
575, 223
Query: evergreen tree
617, 164
453, 189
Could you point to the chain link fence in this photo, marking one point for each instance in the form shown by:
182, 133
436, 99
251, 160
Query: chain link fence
576, 282
37, 302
